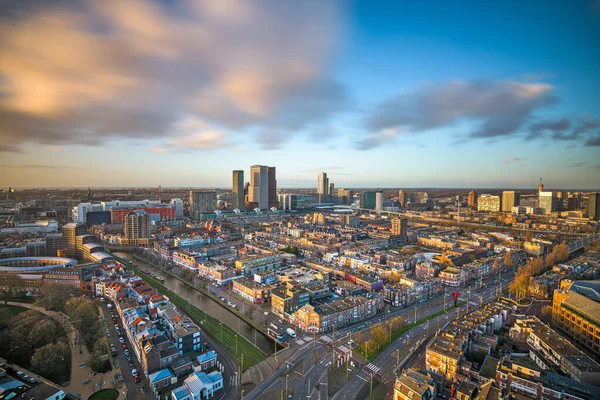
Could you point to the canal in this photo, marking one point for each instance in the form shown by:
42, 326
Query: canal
208, 305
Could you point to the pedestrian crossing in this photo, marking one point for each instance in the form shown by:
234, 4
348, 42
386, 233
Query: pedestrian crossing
325, 339
300, 341
232, 380
371, 368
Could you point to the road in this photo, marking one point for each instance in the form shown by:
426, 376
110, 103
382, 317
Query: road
313, 359
385, 366
134, 389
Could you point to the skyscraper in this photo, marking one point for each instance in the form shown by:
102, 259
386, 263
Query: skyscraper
379, 201
258, 191
272, 190
137, 226
322, 187
547, 202
487, 202
509, 200
472, 202
402, 198
594, 206
540, 186
70, 232
367, 200
399, 226
238, 190
346, 196
331, 190
202, 202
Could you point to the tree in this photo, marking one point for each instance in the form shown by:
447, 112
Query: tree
546, 313
508, 261
496, 266
53, 297
562, 252
378, 334
52, 361
10, 283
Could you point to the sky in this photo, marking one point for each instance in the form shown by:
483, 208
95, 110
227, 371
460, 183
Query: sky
492, 94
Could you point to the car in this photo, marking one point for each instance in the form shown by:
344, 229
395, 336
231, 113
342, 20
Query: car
32, 380
351, 343
127, 357
207, 346
134, 372
266, 313
107, 332
136, 379
126, 352
20, 373
123, 345
121, 339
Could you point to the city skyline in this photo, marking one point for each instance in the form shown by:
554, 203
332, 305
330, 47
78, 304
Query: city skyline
394, 95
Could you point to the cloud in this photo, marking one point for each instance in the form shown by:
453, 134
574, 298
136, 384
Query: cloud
86, 72
597, 166
499, 108
42, 166
490, 110
194, 133
555, 128
593, 141
513, 160
577, 164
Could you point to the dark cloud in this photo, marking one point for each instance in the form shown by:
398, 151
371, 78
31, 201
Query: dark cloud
500, 107
137, 69
555, 128
512, 160
593, 141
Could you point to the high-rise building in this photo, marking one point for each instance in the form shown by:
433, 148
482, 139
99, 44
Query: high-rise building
540, 186
399, 227
54, 243
402, 198
137, 229
288, 201
258, 191
331, 190
322, 187
419, 197
238, 190
137, 225
489, 203
547, 202
594, 206
202, 202
70, 232
345, 196
379, 201
472, 202
178, 204
509, 200
272, 190
573, 201
368, 200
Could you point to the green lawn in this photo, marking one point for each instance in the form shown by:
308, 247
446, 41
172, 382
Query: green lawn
105, 394
224, 334
14, 310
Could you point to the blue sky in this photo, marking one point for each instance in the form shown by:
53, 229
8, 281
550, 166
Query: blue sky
377, 94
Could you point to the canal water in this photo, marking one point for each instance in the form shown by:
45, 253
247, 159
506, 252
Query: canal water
208, 305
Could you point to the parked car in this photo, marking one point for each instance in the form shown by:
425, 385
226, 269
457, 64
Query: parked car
121, 339
136, 379
134, 372
266, 313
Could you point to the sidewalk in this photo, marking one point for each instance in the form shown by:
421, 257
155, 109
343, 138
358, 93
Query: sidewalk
80, 372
